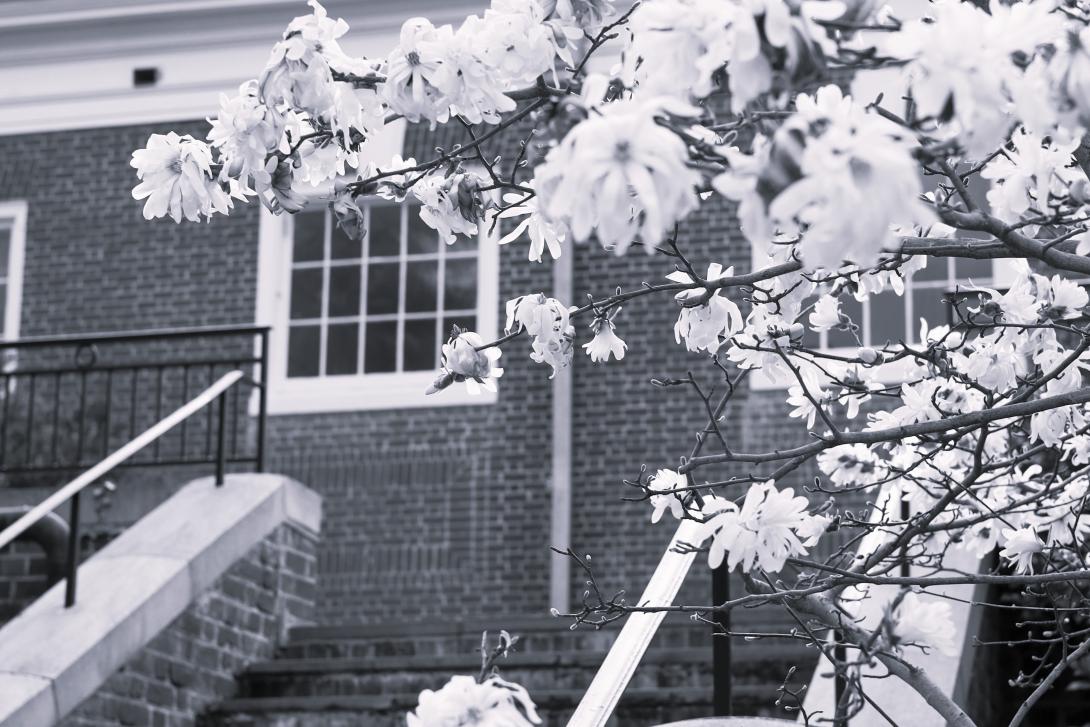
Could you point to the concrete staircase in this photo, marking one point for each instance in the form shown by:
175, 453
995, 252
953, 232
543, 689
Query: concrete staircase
372, 675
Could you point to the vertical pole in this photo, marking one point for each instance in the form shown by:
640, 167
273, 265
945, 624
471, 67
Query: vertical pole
221, 439
560, 479
262, 394
72, 566
721, 645
839, 684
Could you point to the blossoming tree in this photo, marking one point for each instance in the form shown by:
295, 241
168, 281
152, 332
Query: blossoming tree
974, 440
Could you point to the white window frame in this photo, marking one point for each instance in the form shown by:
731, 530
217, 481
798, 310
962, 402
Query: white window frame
14, 211
355, 392
1004, 270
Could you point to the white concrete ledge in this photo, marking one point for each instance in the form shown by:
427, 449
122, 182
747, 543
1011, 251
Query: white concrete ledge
52, 658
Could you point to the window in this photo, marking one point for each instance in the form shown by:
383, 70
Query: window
359, 324
890, 317
12, 244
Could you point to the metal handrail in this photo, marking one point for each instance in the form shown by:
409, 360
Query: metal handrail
128, 336
72, 490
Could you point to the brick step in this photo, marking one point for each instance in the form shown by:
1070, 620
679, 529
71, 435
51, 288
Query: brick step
755, 663
638, 708
535, 635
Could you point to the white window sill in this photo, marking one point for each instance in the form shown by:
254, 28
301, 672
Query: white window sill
367, 393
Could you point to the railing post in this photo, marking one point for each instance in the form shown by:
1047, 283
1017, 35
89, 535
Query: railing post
262, 405
721, 645
840, 685
72, 566
221, 439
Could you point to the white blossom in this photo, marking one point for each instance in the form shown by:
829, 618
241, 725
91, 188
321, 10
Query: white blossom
620, 175
547, 321
463, 361
665, 484
1020, 546
605, 343
176, 178
543, 232
925, 622
463, 702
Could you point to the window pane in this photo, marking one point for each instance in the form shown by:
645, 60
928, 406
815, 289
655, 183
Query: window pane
887, 318
5, 247
342, 344
850, 307
421, 284
422, 239
463, 243
306, 293
341, 245
303, 349
928, 304
344, 290
460, 284
466, 323
978, 270
309, 236
937, 269
382, 284
420, 354
384, 231
380, 347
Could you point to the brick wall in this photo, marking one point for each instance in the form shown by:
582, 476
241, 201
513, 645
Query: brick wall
22, 578
429, 512
193, 662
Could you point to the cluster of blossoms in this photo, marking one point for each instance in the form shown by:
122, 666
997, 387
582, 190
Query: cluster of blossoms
832, 186
463, 701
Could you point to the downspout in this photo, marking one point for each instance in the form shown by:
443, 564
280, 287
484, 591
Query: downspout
560, 515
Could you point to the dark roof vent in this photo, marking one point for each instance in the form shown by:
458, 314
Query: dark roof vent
142, 77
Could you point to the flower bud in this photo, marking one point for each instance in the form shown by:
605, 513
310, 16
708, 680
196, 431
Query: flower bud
868, 356
464, 359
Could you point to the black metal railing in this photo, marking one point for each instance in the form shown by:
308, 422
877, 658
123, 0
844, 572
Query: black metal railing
67, 401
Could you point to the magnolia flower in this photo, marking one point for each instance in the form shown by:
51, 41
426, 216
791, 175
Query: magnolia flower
463, 361
416, 73
702, 325
851, 465
176, 178
826, 313
543, 232
665, 484
472, 89
921, 622
1070, 72
463, 702
803, 396
297, 73
605, 342
547, 321
514, 41
765, 531
1064, 298
1020, 546
620, 175
451, 205
1028, 177
244, 132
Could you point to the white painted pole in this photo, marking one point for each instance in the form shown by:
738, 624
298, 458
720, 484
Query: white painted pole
624, 656
58, 498
561, 471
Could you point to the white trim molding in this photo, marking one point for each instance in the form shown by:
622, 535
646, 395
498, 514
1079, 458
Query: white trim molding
14, 211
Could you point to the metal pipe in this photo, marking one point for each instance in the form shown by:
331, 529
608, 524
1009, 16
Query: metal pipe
262, 400
721, 645
50, 533
221, 440
72, 567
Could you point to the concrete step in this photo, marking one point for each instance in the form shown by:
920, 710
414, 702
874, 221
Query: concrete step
755, 663
639, 707
535, 635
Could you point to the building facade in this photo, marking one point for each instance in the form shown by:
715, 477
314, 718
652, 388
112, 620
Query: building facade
435, 507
